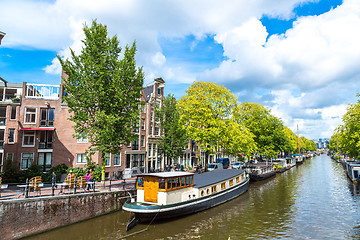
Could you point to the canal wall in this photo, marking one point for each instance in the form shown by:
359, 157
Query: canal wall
24, 217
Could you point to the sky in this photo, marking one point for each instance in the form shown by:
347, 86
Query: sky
300, 58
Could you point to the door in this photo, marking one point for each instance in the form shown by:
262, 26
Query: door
151, 187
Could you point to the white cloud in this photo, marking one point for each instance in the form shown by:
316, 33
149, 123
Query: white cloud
158, 59
311, 70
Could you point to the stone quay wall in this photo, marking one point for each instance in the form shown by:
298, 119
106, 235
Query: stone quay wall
24, 217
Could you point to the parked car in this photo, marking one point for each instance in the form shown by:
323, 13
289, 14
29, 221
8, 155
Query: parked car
214, 166
237, 165
225, 162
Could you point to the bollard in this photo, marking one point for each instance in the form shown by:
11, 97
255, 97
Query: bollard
75, 186
110, 186
93, 185
123, 184
27, 188
52, 189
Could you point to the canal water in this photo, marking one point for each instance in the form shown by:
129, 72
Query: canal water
312, 201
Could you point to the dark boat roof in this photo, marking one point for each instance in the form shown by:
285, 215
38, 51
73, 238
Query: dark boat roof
208, 178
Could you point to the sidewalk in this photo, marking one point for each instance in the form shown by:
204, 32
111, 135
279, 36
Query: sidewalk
15, 192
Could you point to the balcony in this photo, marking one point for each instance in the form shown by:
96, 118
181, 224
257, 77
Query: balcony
42, 91
45, 145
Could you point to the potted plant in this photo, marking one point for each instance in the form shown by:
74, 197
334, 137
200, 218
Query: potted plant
16, 99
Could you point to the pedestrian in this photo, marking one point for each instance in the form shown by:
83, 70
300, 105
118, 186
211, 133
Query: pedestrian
53, 180
87, 179
91, 180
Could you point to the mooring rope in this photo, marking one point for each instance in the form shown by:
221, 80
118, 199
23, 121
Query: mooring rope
143, 230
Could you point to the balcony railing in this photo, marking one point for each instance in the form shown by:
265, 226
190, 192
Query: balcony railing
42, 91
45, 145
46, 123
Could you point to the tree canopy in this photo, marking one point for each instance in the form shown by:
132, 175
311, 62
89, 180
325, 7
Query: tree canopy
267, 129
173, 137
103, 91
207, 113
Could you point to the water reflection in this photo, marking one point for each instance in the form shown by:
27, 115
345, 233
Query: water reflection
311, 201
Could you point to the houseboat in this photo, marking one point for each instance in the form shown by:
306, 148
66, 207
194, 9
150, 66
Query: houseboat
298, 158
353, 171
260, 171
173, 194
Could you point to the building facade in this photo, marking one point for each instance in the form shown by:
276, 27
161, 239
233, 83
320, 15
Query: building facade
34, 128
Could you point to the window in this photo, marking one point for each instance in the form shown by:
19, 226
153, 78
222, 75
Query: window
237, 179
9, 156
202, 193
47, 117
81, 158
142, 157
82, 138
127, 163
149, 150
151, 130
159, 91
223, 186
161, 183
116, 159
26, 160
107, 160
135, 145
142, 124
13, 113
213, 189
11, 137
156, 131
135, 160
29, 139
44, 160
154, 150
142, 140
231, 182
46, 140
140, 182
30, 115
2, 115
158, 103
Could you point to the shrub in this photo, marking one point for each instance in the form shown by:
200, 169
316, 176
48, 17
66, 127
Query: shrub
10, 173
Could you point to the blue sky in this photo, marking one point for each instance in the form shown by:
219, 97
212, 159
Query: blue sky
287, 54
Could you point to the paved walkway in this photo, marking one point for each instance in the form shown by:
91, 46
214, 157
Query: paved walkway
15, 192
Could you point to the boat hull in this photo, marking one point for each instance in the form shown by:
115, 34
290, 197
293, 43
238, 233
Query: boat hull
260, 177
148, 213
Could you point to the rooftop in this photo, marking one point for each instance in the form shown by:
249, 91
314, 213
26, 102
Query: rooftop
208, 178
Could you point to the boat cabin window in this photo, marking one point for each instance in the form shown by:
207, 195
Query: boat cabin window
237, 179
183, 183
161, 183
187, 180
223, 186
140, 182
213, 189
231, 182
169, 183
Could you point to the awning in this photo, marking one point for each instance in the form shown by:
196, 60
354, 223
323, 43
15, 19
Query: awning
35, 129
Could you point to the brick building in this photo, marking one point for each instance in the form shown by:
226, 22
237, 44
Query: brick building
34, 127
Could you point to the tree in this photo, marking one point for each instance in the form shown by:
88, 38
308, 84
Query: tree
206, 114
349, 132
103, 91
293, 140
173, 138
268, 129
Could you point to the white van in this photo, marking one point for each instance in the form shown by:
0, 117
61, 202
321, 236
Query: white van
214, 166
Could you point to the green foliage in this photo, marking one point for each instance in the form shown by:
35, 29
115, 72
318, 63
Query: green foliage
78, 171
267, 129
207, 116
348, 134
10, 173
103, 91
32, 171
59, 169
173, 137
